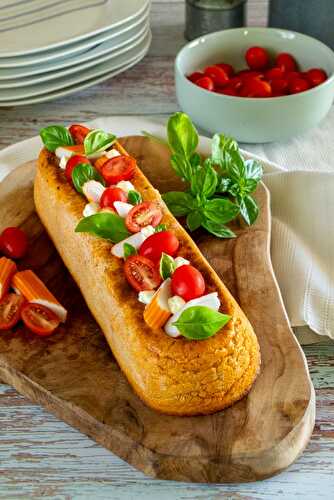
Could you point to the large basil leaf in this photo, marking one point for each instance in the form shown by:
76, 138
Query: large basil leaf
220, 146
84, 172
167, 266
104, 224
55, 136
194, 220
253, 170
97, 141
179, 203
220, 210
248, 209
182, 135
218, 230
182, 166
204, 181
200, 322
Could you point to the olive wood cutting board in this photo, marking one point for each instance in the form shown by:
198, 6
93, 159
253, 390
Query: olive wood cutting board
74, 375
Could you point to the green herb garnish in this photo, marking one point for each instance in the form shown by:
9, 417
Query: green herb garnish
167, 266
200, 322
84, 172
134, 197
55, 136
105, 225
129, 250
97, 141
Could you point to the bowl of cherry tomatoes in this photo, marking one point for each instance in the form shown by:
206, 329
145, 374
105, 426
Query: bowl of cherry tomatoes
255, 84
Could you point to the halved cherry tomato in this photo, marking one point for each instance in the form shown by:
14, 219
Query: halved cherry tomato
188, 282
39, 319
72, 162
217, 74
205, 83
195, 76
14, 242
141, 273
257, 57
142, 215
297, 85
254, 87
316, 76
10, 310
153, 246
78, 133
227, 68
120, 168
286, 61
112, 194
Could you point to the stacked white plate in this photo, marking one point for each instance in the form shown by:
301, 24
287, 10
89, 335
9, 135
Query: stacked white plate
52, 48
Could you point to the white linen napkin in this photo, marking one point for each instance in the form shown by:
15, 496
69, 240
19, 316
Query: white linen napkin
302, 211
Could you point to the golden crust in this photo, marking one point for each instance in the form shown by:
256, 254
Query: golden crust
174, 376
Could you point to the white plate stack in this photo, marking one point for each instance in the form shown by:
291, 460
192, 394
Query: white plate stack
52, 48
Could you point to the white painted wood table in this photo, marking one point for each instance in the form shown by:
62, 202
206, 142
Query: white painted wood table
42, 457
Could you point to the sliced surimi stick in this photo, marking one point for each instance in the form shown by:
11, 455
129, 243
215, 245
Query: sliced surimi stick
157, 312
7, 271
34, 290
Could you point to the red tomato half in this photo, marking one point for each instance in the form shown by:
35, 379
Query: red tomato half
217, 75
39, 319
257, 58
78, 133
14, 242
188, 282
73, 162
153, 246
112, 194
297, 85
120, 168
195, 76
316, 76
286, 61
10, 310
141, 273
142, 215
205, 83
227, 68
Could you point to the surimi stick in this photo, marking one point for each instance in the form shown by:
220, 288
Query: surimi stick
34, 290
157, 312
7, 270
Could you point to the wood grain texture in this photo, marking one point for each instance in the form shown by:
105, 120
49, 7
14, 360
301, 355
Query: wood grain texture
40, 456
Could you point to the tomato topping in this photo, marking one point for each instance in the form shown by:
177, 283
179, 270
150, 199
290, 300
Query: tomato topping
188, 282
195, 76
227, 68
39, 319
14, 242
73, 162
120, 168
257, 58
286, 61
112, 194
298, 84
217, 74
153, 246
10, 310
316, 76
142, 215
205, 83
254, 87
141, 273
78, 133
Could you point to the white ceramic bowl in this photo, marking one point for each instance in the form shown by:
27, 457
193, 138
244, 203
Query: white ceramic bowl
249, 119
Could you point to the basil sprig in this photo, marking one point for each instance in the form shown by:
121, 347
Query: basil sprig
134, 197
55, 136
167, 266
106, 225
97, 141
129, 250
200, 322
84, 172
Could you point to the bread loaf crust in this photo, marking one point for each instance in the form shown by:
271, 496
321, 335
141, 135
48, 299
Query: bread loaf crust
173, 376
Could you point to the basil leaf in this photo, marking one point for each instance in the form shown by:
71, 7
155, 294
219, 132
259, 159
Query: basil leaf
179, 203
220, 210
194, 220
104, 224
182, 167
160, 227
195, 160
204, 181
84, 172
253, 170
55, 136
218, 230
221, 145
167, 266
248, 209
235, 166
129, 250
134, 197
97, 141
182, 135
200, 322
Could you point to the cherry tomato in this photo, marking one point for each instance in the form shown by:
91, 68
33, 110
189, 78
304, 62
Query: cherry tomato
246, 74
10, 310
39, 319
257, 57
227, 68
72, 162
217, 75
112, 194
195, 76
316, 76
205, 83
297, 85
142, 215
254, 87
78, 133
235, 82
286, 61
228, 90
120, 168
274, 73
141, 273
153, 246
279, 86
188, 282
14, 242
